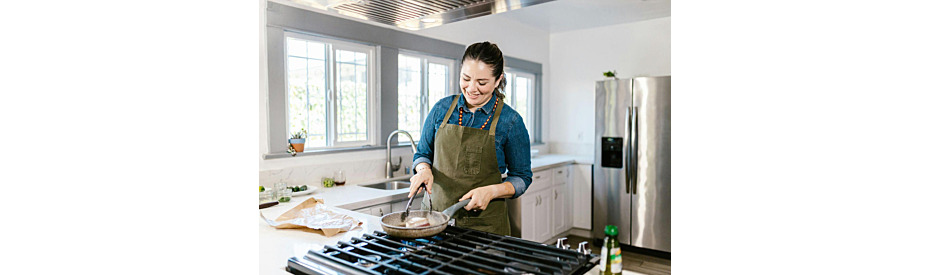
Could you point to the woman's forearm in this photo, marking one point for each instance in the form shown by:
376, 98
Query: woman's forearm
503, 190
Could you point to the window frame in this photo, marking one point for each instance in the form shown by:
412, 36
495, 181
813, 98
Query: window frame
532, 114
331, 76
425, 60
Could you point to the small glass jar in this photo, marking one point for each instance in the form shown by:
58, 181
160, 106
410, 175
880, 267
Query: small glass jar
285, 196
279, 188
266, 196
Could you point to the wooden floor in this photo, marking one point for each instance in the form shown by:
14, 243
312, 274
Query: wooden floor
633, 263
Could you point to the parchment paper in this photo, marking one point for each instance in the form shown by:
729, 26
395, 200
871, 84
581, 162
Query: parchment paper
313, 214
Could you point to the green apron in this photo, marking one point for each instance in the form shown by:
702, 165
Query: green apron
466, 158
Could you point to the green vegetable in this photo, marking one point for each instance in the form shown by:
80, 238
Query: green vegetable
284, 199
261, 189
303, 188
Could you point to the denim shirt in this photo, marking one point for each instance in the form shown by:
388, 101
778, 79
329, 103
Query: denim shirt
511, 138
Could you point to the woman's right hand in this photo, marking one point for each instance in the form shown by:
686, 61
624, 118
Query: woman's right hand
426, 175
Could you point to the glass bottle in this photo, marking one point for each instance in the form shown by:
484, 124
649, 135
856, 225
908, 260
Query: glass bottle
611, 261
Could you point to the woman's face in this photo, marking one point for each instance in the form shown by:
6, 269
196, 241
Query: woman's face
477, 82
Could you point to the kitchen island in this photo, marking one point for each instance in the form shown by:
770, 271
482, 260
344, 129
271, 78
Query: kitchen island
278, 245
275, 246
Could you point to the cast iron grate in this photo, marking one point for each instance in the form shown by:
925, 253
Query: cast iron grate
453, 251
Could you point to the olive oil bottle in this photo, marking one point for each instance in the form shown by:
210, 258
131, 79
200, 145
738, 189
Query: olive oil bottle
611, 261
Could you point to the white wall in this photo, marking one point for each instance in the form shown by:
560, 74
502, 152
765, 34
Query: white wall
578, 59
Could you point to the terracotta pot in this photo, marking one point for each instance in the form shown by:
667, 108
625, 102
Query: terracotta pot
299, 147
298, 144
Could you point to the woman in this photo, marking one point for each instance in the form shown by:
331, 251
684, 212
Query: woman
469, 140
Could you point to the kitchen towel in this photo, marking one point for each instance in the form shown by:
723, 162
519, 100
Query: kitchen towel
313, 214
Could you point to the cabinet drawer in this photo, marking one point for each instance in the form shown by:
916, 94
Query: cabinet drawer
541, 181
560, 175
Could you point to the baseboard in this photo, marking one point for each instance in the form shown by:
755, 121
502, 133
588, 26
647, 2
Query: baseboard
584, 233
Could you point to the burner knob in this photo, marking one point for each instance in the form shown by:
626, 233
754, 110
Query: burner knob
563, 243
583, 248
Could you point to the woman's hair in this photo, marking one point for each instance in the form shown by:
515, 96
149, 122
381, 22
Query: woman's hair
490, 54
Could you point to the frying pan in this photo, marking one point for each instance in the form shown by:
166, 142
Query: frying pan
393, 223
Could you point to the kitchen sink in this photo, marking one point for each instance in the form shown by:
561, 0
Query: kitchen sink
390, 185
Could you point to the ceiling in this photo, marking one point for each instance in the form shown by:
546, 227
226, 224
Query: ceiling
568, 15
550, 16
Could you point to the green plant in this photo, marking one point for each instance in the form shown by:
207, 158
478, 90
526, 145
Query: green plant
610, 73
301, 134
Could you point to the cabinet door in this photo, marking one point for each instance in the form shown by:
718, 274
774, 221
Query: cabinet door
381, 210
543, 217
398, 206
562, 201
558, 212
527, 217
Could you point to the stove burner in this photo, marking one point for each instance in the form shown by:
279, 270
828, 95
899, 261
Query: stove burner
453, 251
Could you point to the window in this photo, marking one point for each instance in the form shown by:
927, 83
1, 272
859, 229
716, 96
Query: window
422, 81
520, 93
330, 91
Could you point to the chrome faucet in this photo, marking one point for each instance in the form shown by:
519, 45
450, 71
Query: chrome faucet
389, 167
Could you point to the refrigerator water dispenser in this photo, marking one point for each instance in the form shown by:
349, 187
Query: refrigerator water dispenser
612, 152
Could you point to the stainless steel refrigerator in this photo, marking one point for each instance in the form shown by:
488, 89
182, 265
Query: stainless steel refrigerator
632, 163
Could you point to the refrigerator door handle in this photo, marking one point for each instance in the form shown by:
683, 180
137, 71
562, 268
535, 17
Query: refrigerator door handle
635, 150
629, 145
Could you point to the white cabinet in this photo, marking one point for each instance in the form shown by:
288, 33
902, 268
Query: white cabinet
376, 210
581, 196
562, 207
543, 217
544, 211
398, 206
381, 210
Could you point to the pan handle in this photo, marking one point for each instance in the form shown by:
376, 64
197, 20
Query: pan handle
455, 207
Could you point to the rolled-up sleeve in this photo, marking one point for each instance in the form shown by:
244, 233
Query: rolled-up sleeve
427, 138
517, 156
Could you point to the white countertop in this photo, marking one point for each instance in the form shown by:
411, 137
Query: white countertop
277, 245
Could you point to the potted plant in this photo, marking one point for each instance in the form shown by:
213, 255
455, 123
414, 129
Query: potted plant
298, 139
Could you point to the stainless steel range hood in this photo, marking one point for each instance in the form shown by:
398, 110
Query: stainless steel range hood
417, 14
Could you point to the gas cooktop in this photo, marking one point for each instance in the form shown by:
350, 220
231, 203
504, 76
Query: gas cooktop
453, 251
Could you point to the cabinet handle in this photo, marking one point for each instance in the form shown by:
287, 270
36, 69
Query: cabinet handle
381, 211
560, 171
556, 195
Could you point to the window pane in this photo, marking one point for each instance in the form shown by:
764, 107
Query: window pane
317, 87
352, 97
306, 86
296, 47
521, 94
297, 94
438, 83
408, 95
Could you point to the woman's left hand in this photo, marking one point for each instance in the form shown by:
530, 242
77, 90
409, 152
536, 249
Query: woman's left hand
482, 196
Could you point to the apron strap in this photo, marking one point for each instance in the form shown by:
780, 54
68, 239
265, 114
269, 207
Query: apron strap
497, 114
455, 103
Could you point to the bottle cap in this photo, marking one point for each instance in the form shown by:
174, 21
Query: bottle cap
610, 230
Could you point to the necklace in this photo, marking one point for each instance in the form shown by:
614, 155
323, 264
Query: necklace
485, 121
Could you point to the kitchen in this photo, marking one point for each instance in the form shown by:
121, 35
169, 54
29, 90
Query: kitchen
544, 39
